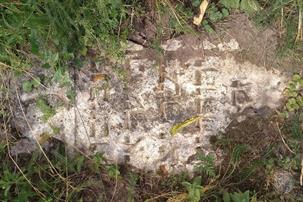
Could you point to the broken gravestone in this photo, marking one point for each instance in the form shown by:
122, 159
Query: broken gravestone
136, 113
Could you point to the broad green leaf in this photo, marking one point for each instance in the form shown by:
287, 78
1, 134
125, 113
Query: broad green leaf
225, 12
215, 16
231, 4
249, 6
194, 189
240, 197
208, 28
226, 196
33, 37
292, 105
196, 3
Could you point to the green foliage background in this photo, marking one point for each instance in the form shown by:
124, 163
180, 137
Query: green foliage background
56, 32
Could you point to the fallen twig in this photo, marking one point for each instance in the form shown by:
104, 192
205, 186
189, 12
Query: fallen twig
299, 32
203, 7
301, 176
287, 147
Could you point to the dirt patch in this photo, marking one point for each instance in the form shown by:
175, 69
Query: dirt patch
253, 150
258, 45
257, 132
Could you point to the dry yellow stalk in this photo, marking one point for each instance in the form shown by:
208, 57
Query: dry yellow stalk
299, 32
203, 7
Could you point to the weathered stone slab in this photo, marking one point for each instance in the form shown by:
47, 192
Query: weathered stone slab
129, 119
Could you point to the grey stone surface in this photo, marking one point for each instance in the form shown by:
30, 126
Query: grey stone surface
129, 117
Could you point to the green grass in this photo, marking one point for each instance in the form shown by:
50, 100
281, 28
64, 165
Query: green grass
45, 108
38, 181
55, 33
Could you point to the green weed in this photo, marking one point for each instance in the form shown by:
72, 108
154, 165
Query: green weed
206, 165
96, 163
238, 197
174, 182
194, 189
29, 85
294, 95
12, 181
45, 108
62, 77
237, 153
113, 171
133, 179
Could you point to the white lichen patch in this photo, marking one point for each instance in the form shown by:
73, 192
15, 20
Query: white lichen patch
130, 121
172, 45
207, 45
133, 47
232, 45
